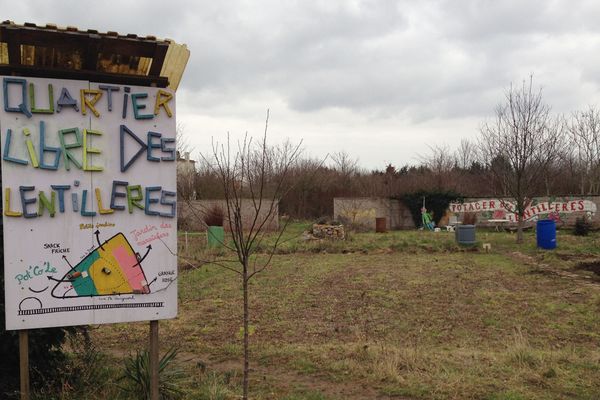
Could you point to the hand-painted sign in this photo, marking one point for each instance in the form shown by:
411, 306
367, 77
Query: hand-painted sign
504, 209
89, 186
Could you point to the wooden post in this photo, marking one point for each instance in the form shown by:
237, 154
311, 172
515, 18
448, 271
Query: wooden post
186, 242
154, 395
24, 363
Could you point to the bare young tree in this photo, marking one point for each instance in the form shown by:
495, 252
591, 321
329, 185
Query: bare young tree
465, 157
440, 162
584, 134
345, 163
186, 170
183, 143
465, 154
253, 177
520, 144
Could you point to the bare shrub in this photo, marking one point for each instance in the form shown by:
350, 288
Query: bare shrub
214, 216
469, 218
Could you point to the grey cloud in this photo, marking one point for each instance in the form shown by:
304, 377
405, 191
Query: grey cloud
379, 59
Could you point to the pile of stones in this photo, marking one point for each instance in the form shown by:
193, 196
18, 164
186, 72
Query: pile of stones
324, 231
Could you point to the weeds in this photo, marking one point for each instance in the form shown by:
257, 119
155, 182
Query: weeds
307, 395
520, 352
389, 363
137, 376
582, 227
214, 386
85, 367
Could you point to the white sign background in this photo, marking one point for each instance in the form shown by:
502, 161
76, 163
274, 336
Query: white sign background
41, 253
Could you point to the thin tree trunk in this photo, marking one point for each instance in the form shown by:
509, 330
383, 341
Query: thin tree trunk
246, 317
520, 229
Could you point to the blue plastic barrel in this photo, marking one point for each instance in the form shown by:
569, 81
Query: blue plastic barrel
546, 234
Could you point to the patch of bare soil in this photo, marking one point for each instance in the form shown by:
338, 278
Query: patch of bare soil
291, 382
546, 269
573, 257
592, 266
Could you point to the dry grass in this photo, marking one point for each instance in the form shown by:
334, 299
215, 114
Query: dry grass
401, 315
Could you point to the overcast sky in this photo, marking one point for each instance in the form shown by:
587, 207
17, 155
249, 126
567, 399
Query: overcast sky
378, 79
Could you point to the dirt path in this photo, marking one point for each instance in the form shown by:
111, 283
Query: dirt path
585, 280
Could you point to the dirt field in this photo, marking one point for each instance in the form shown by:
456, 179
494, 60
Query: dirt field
402, 315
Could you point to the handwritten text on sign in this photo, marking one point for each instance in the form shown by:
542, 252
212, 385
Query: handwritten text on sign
86, 169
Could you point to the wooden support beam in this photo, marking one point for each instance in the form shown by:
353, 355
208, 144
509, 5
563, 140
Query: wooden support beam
90, 58
93, 76
11, 36
24, 363
158, 59
153, 354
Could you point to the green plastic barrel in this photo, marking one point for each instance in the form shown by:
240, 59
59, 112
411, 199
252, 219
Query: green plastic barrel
216, 236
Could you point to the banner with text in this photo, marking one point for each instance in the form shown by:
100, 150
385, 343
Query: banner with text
503, 209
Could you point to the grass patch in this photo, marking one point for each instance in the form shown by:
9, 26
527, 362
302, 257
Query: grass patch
308, 395
400, 314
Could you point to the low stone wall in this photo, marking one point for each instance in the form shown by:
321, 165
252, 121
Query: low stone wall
190, 214
361, 212
489, 211
334, 232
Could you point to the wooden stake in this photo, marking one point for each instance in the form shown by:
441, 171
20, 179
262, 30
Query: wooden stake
24, 363
154, 395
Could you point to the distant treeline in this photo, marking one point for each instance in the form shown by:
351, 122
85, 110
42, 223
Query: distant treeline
313, 183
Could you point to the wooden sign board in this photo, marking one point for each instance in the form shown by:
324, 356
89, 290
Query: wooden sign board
89, 202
